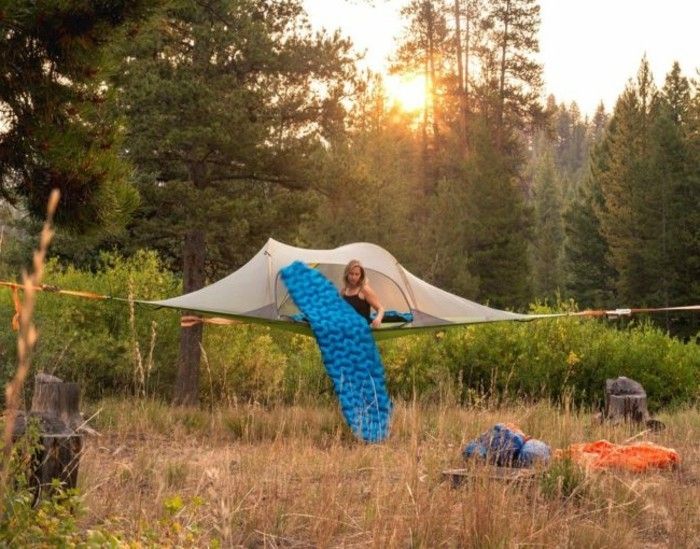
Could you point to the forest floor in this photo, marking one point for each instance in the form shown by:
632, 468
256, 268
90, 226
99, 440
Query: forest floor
294, 476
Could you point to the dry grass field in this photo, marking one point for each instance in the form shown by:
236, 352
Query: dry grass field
293, 476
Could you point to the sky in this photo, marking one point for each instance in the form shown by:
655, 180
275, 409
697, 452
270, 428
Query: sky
589, 48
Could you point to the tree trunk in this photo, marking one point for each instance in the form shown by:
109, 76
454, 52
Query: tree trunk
187, 382
57, 399
627, 408
502, 79
56, 408
461, 89
431, 62
625, 400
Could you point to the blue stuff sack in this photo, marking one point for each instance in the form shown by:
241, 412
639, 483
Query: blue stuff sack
534, 451
499, 445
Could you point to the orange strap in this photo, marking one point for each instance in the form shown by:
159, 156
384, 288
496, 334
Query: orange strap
18, 309
54, 290
16, 287
187, 321
627, 312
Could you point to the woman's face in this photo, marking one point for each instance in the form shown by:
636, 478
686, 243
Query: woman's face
354, 276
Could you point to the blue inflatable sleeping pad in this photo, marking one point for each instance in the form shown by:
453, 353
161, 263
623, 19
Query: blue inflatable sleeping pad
349, 352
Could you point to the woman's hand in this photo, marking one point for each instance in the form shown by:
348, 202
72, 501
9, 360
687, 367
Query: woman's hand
374, 302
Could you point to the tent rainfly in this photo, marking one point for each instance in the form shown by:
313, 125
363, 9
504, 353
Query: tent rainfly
255, 293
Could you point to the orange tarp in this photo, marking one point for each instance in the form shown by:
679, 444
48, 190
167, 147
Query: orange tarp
637, 457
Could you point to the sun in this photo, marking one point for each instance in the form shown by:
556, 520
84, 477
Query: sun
406, 90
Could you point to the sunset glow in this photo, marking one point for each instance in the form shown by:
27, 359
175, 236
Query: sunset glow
407, 91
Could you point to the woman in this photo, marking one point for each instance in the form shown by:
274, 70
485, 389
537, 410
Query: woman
356, 292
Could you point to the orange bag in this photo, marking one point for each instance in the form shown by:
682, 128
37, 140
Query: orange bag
637, 457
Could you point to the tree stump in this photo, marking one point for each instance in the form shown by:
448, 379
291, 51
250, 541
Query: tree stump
625, 400
55, 406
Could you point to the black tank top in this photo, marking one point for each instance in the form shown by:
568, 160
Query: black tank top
359, 304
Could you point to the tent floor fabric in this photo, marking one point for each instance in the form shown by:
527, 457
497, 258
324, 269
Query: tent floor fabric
349, 352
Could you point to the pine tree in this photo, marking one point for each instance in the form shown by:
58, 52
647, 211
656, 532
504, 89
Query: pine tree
548, 227
498, 225
226, 103
588, 274
597, 126
633, 215
423, 50
57, 128
512, 76
689, 273
369, 180
677, 171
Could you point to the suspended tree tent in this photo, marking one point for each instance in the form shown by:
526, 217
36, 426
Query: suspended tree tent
255, 293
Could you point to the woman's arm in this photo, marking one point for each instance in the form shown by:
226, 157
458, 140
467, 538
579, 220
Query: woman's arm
374, 302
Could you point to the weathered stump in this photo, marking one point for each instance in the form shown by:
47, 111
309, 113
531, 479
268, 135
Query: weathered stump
55, 407
625, 400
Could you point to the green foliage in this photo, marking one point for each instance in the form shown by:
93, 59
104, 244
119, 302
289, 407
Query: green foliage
571, 138
54, 520
370, 179
93, 342
563, 479
57, 127
255, 364
554, 359
49, 521
548, 227
513, 76
225, 106
632, 230
633, 212
499, 223
588, 274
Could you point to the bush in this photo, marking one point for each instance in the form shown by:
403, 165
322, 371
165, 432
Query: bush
555, 358
53, 520
92, 342
253, 363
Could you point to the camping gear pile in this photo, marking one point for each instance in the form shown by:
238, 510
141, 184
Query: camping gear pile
504, 445
507, 446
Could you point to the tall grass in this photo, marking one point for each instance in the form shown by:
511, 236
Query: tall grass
26, 339
252, 475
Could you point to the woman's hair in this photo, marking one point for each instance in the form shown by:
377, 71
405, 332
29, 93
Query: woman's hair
354, 263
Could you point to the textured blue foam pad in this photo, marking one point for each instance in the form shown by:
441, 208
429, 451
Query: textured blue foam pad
390, 315
348, 349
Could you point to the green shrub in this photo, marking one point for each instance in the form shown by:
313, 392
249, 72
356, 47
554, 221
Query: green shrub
53, 520
91, 341
555, 359
253, 363
563, 479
